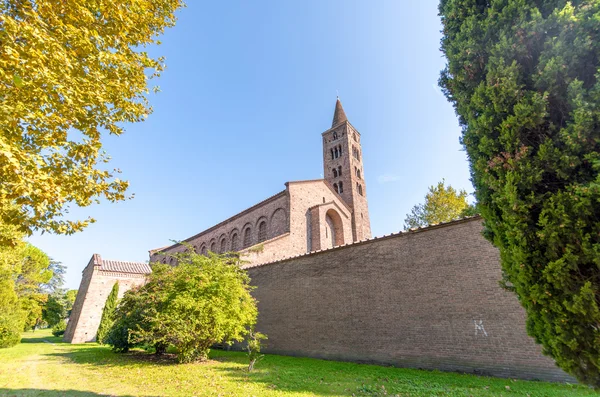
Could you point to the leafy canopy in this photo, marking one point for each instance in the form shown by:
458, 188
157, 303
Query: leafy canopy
524, 78
70, 72
442, 204
202, 301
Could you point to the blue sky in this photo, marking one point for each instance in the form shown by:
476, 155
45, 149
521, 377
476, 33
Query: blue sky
249, 87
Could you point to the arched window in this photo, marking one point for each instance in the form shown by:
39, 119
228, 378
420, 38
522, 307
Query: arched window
203, 250
335, 187
262, 231
358, 174
234, 242
340, 150
341, 187
359, 187
223, 246
335, 173
340, 170
337, 153
247, 237
335, 136
354, 136
332, 154
213, 247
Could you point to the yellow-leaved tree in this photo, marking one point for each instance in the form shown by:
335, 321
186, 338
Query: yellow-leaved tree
442, 204
70, 71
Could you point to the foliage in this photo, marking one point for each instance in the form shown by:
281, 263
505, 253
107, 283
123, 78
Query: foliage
23, 269
106, 373
128, 317
202, 301
58, 306
11, 315
59, 328
253, 346
108, 314
55, 310
69, 72
442, 204
30, 273
56, 283
523, 76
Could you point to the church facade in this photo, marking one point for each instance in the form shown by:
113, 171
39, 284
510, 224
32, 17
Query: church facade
307, 216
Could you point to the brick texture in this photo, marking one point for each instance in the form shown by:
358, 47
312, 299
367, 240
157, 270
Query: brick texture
94, 289
426, 299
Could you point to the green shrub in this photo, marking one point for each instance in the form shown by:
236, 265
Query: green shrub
127, 317
202, 301
59, 328
107, 319
11, 315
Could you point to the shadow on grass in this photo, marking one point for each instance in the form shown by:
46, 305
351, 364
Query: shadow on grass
104, 356
51, 393
42, 339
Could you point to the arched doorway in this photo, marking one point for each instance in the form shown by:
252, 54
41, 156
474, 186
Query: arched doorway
334, 232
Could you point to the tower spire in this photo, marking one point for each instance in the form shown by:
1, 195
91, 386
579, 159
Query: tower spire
339, 115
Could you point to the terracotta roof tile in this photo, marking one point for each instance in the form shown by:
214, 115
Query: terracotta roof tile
125, 267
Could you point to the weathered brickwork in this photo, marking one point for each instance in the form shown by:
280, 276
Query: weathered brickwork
98, 279
289, 226
238, 232
425, 299
343, 169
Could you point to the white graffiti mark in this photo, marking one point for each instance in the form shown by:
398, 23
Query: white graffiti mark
479, 327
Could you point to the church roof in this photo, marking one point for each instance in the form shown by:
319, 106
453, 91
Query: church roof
339, 115
125, 267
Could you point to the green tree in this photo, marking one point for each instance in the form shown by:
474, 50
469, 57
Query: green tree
442, 204
55, 309
108, 314
23, 270
70, 72
202, 301
70, 297
523, 76
57, 282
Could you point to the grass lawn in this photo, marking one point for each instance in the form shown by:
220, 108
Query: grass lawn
44, 366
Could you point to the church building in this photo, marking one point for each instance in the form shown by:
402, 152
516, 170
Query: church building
307, 216
423, 298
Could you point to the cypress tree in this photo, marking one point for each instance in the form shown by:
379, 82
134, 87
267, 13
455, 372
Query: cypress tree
108, 312
523, 76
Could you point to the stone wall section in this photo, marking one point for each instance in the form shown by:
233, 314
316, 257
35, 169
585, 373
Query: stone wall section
94, 289
424, 299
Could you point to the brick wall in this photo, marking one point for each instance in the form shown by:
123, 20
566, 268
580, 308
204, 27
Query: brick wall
425, 299
274, 211
94, 289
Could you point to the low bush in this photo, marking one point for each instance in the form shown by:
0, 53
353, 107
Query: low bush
202, 301
59, 328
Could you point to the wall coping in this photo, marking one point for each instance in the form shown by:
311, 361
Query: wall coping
370, 240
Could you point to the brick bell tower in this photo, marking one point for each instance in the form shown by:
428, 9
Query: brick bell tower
343, 169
